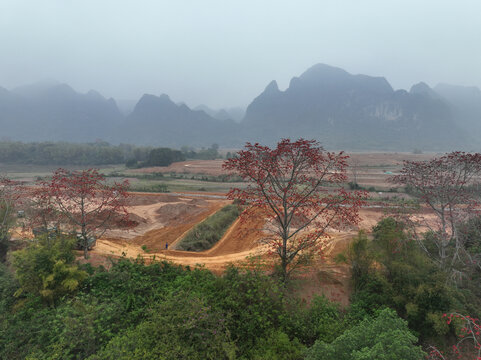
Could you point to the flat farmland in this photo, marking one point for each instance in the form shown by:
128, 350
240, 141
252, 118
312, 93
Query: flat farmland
207, 167
374, 169
369, 169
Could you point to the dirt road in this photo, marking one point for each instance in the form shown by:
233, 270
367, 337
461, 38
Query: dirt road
166, 218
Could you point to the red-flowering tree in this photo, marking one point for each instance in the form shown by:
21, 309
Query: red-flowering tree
449, 186
85, 201
298, 185
41, 210
468, 332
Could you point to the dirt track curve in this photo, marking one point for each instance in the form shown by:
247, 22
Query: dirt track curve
166, 218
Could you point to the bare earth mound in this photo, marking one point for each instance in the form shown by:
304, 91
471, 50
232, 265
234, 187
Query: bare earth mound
170, 217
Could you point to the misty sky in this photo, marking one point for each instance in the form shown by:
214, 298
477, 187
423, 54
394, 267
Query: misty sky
223, 53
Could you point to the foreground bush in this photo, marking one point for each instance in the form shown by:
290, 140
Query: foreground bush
384, 337
164, 311
278, 346
396, 273
181, 327
159, 311
47, 268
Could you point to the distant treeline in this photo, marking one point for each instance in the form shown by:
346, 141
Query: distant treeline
98, 153
167, 156
62, 153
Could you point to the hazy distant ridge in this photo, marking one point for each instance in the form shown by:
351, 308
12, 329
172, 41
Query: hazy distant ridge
157, 120
354, 112
55, 112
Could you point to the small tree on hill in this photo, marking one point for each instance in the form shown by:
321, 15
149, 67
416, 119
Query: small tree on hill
298, 184
448, 185
86, 202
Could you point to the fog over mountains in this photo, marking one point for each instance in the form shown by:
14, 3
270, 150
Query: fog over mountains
343, 111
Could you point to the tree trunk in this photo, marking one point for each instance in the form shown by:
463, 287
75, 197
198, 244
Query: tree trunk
85, 242
86, 248
284, 260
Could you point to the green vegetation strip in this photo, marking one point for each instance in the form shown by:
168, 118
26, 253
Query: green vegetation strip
204, 235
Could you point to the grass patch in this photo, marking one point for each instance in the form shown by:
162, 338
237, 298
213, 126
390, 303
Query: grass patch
206, 234
178, 185
159, 188
177, 182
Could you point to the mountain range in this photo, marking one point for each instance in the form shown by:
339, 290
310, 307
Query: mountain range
341, 110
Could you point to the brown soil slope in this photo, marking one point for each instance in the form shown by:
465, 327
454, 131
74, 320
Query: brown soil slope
167, 218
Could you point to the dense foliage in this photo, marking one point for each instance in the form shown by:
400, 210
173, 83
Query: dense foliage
393, 271
209, 153
163, 157
97, 153
61, 153
166, 156
385, 337
160, 311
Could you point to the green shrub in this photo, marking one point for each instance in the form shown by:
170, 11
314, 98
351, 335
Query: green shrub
164, 157
8, 287
277, 346
404, 279
27, 329
131, 163
360, 259
46, 268
77, 331
182, 326
384, 337
253, 304
354, 186
321, 319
